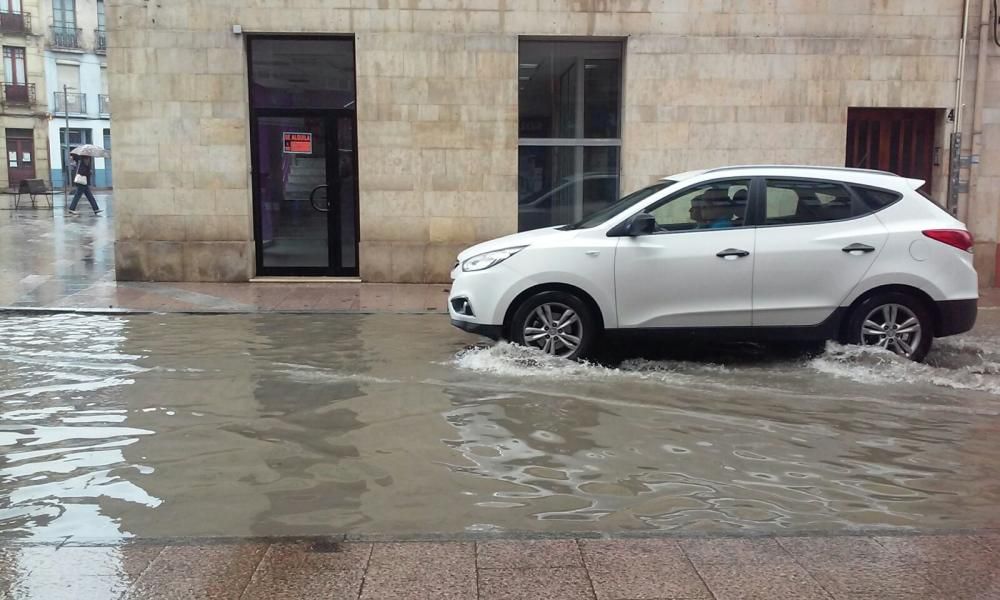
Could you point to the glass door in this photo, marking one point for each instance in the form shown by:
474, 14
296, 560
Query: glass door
305, 166
305, 203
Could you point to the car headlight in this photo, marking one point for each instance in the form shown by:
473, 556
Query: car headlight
481, 262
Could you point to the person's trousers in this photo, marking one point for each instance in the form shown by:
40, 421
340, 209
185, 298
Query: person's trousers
80, 191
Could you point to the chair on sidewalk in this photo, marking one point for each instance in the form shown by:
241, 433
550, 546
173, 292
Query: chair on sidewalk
33, 188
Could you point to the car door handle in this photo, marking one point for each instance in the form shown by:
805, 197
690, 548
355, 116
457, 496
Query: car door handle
858, 248
733, 253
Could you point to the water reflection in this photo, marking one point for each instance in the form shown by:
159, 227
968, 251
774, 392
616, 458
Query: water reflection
668, 453
154, 426
65, 427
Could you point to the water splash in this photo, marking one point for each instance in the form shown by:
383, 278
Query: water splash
961, 364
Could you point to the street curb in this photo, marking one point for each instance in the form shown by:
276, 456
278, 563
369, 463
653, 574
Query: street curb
9, 541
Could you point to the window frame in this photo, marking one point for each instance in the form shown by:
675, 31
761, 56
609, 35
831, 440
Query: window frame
759, 201
18, 58
580, 143
61, 9
748, 220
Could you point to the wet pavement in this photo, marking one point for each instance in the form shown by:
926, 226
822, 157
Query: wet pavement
951, 567
153, 426
58, 262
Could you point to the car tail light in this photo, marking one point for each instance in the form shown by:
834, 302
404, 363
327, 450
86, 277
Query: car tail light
953, 237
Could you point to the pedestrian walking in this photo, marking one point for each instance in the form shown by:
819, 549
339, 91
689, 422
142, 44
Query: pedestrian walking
83, 175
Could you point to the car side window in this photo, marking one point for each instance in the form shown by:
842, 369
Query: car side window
714, 205
876, 200
798, 202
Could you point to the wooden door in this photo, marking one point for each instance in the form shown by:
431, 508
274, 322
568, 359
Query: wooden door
899, 140
20, 156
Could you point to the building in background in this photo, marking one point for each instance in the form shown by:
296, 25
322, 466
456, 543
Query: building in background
377, 139
77, 82
23, 112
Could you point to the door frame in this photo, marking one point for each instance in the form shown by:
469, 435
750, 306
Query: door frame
8, 140
331, 115
334, 238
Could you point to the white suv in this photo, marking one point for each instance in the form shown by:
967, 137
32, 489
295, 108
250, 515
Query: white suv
756, 252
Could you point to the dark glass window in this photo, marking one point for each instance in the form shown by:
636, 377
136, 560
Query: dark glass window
64, 14
302, 73
876, 200
570, 130
799, 202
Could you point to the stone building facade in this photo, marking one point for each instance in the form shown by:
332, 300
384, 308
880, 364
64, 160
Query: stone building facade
23, 112
441, 154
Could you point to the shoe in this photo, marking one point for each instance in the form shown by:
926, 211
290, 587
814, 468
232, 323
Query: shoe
97, 212
72, 212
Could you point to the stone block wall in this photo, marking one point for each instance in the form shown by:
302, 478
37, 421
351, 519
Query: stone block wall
707, 83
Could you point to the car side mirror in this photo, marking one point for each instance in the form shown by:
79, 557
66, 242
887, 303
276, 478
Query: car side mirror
641, 224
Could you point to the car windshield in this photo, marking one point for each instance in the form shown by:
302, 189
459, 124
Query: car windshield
602, 216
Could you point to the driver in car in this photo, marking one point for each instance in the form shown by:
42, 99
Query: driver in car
713, 210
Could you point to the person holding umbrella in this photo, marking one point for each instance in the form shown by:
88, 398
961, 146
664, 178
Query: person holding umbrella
82, 176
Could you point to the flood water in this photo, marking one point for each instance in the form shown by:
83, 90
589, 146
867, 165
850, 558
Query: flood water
177, 425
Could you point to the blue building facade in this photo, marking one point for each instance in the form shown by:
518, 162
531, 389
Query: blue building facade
77, 83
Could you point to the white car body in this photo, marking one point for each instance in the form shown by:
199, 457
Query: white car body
797, 278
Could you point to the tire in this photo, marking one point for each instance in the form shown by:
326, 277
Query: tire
538, 323
866, 325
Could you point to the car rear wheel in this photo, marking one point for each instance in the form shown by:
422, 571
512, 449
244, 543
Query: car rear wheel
557, 323
895, 321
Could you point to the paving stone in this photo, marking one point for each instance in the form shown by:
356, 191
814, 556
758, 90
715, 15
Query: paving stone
52, 585
305, 583
421, 570
966, 579
17, 564
605, 554
389, 584
213, 572
418, 557
528, 554
933, 548
731, 581
534, 584
641, 569
873, 579
127, 560
736, 550
990, 540
306, 555
834, 549
308, 570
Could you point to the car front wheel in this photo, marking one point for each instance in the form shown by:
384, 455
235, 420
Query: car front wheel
894, 321
557, 323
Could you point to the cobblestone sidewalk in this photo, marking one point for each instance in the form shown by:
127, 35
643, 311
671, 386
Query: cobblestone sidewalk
946, 567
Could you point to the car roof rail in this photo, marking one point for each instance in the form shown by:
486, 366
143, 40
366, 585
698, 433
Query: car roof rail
804, 167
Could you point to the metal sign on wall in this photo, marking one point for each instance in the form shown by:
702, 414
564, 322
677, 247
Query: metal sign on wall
298, 143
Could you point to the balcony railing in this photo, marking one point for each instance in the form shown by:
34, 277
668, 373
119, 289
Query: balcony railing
77, 103
15, 22
19, 94
100, 41
104, 103
66, 38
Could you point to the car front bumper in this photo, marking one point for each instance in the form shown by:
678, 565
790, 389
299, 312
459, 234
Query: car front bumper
494, 332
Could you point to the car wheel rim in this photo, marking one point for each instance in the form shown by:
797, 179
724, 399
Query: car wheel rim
555, 329
893, 327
